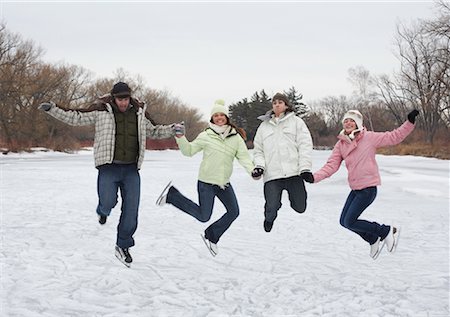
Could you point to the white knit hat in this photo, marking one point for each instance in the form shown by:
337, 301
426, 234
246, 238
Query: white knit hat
356, 116
219, 107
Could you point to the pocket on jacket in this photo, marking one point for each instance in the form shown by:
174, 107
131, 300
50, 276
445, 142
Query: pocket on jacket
267, 134
290, 133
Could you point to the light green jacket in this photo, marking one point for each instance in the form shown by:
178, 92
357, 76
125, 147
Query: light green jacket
218, 155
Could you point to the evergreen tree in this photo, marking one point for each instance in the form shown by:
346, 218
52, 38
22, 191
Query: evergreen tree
239, 113
260, 104
295, 98
245, 113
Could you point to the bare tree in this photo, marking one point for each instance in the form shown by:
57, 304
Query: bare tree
441, 25
17, 61
334, 109
440, 29
25, 82
165, 109
364, 96
421, 81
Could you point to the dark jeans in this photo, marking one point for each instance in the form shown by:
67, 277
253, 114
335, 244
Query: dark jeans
295, 187
111, 177
357, 202
203, 211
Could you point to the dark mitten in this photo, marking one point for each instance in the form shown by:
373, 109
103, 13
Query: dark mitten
45, 106
412, 116
257, 172
307, 176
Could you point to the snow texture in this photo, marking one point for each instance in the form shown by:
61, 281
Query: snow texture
56, 260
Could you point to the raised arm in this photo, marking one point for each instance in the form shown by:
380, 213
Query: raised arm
191, 148
71, 117
393, 137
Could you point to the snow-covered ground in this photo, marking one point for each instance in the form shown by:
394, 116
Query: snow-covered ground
56, 260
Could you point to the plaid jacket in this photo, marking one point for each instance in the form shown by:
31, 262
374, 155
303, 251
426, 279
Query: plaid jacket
101, 114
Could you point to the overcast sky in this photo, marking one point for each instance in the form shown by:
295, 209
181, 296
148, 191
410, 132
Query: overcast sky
203, 51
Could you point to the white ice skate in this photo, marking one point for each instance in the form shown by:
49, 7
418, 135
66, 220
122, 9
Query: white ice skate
161, 201
392, 238
375, 249
212, 247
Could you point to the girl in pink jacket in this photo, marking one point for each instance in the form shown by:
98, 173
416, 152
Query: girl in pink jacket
357, 147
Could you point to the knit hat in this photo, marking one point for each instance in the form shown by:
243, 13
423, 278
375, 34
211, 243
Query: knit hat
121, 90
356, 116
219, 107
280, 96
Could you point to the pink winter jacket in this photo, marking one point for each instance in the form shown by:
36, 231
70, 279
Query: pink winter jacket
359, 156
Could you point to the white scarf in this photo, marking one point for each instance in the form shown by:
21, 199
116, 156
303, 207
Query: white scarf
352, 135
222, 130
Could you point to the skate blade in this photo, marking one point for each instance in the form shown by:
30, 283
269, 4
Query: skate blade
379, 250
396, 239
207, 245
162, 194
122, 260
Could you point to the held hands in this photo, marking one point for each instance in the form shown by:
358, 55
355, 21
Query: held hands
412, 116
307, 177
257, 172
179, 129
45, 106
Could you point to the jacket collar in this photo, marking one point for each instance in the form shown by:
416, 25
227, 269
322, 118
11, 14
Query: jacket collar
269, 115
212, 132
358, 134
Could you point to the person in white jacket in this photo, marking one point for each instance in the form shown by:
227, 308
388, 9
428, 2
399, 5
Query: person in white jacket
282, 155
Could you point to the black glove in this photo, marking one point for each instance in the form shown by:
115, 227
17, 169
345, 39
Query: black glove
412, 116
257, 172
307, 176
45, 106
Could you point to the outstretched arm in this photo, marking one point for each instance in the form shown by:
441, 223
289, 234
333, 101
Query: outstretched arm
190, 148
396, 136
159, 131
71, 117
331, 166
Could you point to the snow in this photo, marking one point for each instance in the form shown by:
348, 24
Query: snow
56, 260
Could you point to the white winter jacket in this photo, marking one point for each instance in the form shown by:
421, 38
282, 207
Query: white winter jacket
282, 146
105, 129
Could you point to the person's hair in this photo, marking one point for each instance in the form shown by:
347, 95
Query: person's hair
284, 98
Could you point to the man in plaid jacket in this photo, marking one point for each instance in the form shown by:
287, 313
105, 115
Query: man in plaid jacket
121, 129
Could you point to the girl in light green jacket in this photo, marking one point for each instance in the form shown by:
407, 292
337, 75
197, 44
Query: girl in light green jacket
221, 142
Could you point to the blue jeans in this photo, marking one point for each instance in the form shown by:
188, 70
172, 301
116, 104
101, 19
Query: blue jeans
111, 177
273, 189
357, 202
203, 211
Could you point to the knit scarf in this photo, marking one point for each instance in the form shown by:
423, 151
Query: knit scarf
350, 136
223, 131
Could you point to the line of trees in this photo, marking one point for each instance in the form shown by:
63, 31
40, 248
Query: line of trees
422, 82
245, 112
26, 81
